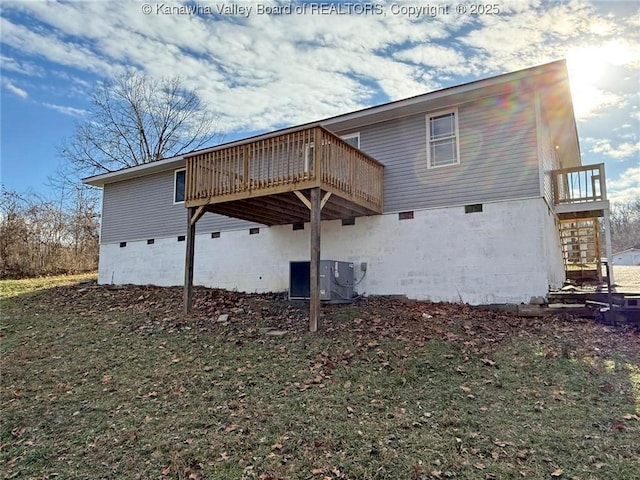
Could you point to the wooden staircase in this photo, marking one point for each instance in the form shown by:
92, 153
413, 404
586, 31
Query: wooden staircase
581, 248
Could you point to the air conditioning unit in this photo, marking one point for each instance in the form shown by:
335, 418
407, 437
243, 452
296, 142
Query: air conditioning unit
336, 281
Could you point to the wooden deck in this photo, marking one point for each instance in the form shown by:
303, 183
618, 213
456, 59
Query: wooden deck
297, 175
580, 192
268, 180
580, 198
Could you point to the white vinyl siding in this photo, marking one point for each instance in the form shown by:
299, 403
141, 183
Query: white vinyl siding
442, 139
142, 208
498, 156
498, 161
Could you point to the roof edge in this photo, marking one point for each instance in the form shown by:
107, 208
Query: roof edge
136, 171
176, 161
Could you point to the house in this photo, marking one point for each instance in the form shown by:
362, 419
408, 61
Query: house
630, 256
473, 193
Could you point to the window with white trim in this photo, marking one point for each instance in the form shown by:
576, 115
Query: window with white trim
179, 180
352, 139
308, 158
443, 147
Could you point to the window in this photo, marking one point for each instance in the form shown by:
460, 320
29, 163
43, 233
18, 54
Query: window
308, 158
348, 221
352, 139
475, 208
151, 241
298, 226
442, 139
123, 244
181, 238
215, 234
405, 215
178, 186
254, 231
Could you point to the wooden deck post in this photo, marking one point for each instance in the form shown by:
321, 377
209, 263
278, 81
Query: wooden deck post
607, 242
314, 276
188, 263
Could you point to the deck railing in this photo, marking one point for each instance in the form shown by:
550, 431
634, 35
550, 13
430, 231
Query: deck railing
280, 163
349, 170
579, 184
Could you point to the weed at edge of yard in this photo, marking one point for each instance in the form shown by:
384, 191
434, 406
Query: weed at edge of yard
13, 288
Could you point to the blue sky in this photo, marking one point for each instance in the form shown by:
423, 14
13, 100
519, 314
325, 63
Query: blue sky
259, 72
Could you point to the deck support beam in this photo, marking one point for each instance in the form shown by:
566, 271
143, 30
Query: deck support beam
303, 199
192, 217
607, 243
314, 276
197, 214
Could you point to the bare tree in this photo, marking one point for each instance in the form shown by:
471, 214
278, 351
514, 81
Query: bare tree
41, 237
625, 225
134, 120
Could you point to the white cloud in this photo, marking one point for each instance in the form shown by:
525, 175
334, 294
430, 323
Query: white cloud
256, 73
626, 187
263, 72
14, 89
443, 58
71, 111
52, 48
22, 67
589, 101
620, 151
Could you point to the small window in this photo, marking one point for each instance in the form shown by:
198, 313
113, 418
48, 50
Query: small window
352, 139
298, 226
254, 231
308, 158
405, 215
151, 241
475, 208
215, 234
179, 185
181, 238
123, 244
442, 139
349, 221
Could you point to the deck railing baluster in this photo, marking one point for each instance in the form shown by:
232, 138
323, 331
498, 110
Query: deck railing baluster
579, 184
287, 159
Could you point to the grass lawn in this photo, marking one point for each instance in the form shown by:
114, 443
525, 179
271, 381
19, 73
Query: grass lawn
102, 382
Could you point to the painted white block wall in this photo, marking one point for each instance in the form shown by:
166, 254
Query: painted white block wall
507, 253
552, 248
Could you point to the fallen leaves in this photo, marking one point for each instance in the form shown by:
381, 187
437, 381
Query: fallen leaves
618, 426
379, 367
231, 428
488, 362
148, 395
